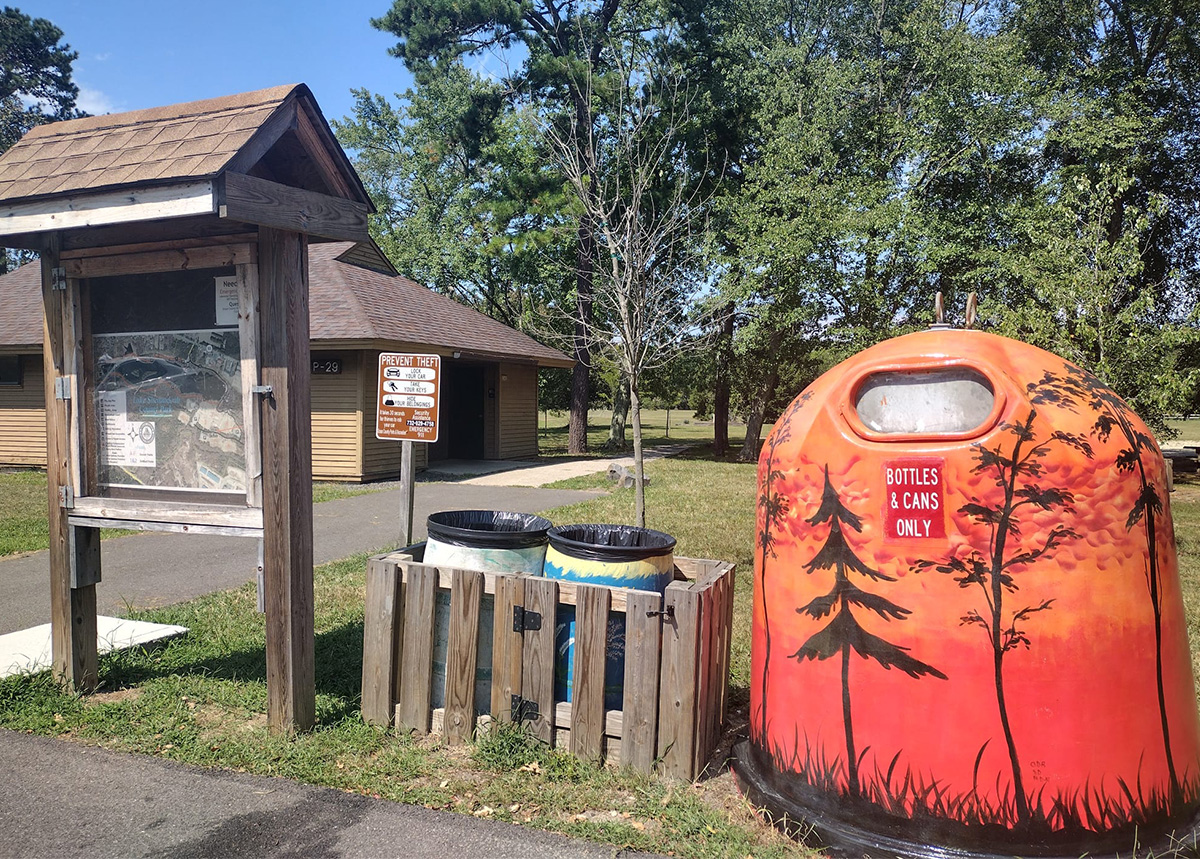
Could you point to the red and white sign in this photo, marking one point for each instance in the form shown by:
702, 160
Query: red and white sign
915, 500
406, 408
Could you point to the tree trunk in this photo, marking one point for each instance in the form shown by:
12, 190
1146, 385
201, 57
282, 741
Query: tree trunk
577, 428
620, 414
639, 466
722, 383
754, 420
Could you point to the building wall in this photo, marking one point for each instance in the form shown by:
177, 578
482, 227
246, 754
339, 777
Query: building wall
517, 396
23, 417
336, 417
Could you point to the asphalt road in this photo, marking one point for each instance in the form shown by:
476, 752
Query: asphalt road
65, 800
155, 569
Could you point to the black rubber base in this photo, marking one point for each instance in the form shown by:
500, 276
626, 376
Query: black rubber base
831, 825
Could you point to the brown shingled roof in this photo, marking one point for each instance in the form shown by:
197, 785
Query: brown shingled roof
346, 302
21, 308
176, 143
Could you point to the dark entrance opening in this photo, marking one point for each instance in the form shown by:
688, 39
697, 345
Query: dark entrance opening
462, 415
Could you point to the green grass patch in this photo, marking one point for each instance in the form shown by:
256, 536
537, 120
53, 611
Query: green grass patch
682, 426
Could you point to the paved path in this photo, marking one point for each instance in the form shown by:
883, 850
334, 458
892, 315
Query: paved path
155, 569
68, 800
539, 473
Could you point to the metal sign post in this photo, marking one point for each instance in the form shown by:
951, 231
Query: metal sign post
406, 410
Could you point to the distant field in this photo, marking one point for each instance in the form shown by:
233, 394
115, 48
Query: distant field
658, 427
1188, 429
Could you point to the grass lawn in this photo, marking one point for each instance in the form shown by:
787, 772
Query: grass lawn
658, 427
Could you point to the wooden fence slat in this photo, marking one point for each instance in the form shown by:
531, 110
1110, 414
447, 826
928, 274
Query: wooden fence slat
591, 648
537, 668
462, 652
729, 583
379, 642
506, 647
705, 667
643, 646
677, 698
412, 713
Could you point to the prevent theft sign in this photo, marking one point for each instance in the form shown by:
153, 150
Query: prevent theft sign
407, 397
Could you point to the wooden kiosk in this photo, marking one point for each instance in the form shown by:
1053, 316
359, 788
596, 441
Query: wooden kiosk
173, 247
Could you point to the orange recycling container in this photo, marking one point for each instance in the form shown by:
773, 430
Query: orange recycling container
968, 631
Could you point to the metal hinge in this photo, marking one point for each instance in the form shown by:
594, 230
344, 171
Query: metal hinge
263, 390
62, 388
522, 710
58, 278
66, 497
525, 621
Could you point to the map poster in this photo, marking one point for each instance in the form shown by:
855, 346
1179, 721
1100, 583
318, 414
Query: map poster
124, 442
169, 407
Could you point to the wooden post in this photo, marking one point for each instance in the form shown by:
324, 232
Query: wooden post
537, 667
287, 478
72, 609
643, 644
407, 488
462, 655
416, 649
677, 694
507, 645
587, 695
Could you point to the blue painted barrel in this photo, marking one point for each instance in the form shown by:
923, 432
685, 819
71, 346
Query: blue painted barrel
492, 541
615, 555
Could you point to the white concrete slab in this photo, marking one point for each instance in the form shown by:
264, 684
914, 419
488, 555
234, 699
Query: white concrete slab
27, 651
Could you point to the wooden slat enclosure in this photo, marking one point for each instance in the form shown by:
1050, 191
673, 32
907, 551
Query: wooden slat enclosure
676, 678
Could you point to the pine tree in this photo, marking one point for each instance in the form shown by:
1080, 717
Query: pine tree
843, 633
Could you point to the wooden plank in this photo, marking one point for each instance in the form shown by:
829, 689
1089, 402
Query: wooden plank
248, 329
677, 691
85, 557
280, 122
164, 527
72, 372
462, 654
72, 610
416, 655
729, 582
270, 204
643, 647
564, 717
587, 696
705, 672
113, 207
383, 608
287, 479
129, 509
175, 259
408, 476
168, 245
506, 647
537, 664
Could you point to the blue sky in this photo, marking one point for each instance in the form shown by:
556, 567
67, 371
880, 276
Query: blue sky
144, 54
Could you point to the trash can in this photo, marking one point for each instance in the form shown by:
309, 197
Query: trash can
493, 541
615, 555
968, 635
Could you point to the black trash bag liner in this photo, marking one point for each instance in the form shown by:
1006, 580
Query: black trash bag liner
488, 529
610, 542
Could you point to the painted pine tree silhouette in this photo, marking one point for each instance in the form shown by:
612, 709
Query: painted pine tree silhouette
843, 634
775, 508
1014, 471
1068, 390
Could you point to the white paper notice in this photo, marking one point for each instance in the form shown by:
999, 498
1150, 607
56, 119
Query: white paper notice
227, 300
124, 442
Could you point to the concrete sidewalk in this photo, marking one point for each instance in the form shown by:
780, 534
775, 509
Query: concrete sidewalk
540, 473
70, 800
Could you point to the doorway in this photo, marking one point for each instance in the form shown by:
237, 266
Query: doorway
463, 402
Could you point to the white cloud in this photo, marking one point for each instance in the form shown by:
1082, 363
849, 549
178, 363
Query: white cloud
94, 102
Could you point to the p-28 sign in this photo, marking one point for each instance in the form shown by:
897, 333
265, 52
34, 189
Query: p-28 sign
408, 395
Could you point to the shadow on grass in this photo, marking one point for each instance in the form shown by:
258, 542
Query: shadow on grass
337, 654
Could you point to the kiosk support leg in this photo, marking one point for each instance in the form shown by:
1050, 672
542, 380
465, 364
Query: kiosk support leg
287, 479
74, 558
